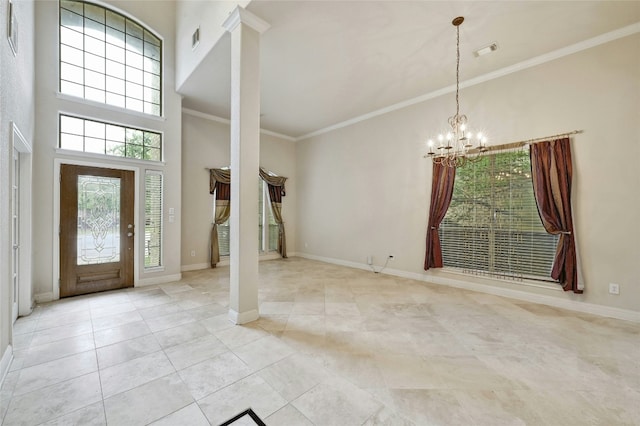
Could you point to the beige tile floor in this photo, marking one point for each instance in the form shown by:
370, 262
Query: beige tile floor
333, 346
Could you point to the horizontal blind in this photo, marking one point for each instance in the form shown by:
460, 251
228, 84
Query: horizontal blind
153, 219
492, 226
223, 238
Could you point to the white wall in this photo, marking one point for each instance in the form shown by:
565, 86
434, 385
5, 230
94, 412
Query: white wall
206, 143
159, 16
16, 105
209, 17
364, 189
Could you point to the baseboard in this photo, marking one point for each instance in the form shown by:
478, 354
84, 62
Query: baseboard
5, 363
225, 262
43, 297
195, 267
164, 279
557, 302
244, 317
543, 299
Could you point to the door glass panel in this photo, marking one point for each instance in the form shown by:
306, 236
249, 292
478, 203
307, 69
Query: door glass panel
98, 219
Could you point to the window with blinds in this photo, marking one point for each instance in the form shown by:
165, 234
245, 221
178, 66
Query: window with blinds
492, 226
153, 219
267, 226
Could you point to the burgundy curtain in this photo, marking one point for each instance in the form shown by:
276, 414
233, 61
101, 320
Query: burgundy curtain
551, 171
441, 193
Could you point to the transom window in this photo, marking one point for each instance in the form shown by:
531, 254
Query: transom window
80, 134
108, 58
492, 225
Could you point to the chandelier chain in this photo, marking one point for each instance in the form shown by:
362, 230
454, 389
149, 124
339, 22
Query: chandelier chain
456, 146
457, 70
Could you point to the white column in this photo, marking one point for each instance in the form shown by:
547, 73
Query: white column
245, 29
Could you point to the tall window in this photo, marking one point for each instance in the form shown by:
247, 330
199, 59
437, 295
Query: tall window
108, 58
153, 219
492, 226
267, 226
79, 134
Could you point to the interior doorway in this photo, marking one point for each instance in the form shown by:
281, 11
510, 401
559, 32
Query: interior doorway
20, 189
96, 229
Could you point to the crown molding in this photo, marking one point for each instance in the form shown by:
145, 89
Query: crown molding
217, 119
556, 54
241, 15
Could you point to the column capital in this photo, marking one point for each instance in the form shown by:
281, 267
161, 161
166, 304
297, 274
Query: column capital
241, 15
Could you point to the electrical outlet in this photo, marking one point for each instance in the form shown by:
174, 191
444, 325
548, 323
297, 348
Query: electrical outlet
614, 288
369, 260
193, 253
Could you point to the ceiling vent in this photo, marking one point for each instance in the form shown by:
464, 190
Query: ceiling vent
486, 50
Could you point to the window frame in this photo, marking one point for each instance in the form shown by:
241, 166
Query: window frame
457, 246
125, 128
148, 37
160, 216
264, 229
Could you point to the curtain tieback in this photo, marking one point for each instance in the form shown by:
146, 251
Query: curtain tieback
434, 228
565, 232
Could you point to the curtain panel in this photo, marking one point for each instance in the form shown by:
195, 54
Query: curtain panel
441, 194
552, 171
220, 185
276, 192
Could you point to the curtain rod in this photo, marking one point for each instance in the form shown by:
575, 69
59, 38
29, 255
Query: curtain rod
519, 144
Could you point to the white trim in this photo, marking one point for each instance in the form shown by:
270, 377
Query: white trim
25, 293
217, 119
109, 107
5, 363
557, 302
105, 157
556, 54
195, 267
244, 317
143, 282
200, 266
44, 297
241, 15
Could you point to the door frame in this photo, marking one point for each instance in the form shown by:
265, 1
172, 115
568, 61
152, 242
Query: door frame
56, 214
25, 295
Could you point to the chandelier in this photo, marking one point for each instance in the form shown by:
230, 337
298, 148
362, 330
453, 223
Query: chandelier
456, 145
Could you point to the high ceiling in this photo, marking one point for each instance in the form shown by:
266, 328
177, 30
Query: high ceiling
326, 62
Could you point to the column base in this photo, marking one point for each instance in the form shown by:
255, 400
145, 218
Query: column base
244, 317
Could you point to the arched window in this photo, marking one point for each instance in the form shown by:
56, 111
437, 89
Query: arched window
108, 58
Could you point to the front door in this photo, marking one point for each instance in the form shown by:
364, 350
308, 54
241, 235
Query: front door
96, 229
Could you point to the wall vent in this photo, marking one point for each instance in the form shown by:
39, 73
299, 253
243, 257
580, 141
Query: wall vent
195, 38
